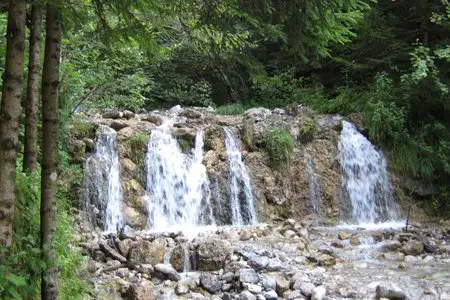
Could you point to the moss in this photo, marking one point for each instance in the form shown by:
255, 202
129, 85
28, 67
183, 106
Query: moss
82, 129
184, 144
307, 130
279, 145
137, 145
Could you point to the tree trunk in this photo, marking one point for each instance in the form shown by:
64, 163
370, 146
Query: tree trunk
10, 112
50, 127
31, 118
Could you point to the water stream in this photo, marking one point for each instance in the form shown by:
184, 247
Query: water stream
365, 178
102, 186
240, 190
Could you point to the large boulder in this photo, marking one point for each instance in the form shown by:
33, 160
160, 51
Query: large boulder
178, 257
146, 252
213, 255
390, 291
140, 291
413, 248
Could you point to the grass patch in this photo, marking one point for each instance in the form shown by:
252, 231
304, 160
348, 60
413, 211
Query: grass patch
279, 145
230, 109
307, 130
82, 129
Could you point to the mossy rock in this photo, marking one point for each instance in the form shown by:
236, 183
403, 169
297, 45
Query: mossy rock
82, 129
307, 130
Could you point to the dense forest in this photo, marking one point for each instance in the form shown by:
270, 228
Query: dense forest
386, 61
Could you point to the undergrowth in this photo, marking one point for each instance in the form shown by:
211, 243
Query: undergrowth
231, 109
279, 145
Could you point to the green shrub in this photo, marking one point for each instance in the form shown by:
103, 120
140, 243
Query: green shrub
230, 109
307, 130
82, 129
279, 145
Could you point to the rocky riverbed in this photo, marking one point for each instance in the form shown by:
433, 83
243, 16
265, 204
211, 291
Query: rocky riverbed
287, 260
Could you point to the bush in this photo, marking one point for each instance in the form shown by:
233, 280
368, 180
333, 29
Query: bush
230, 109
279, 145
307, 130
82, 129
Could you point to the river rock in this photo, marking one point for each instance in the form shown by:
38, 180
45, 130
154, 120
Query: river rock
391, 246
253, 288
177, 258
126, 232
140, 291
343, 236
389, 291
164, 271
212, 256
182, 288
282, 285
413, 248
210, 282
248, 276
148, 252
152, 118
127, 114
354, 240
112, 114
326, 250
191, 113
326, 260
258, 263
318, 293
304, 287
246, 295
270, 295
124, 246
245, 235
119, 124
269, 283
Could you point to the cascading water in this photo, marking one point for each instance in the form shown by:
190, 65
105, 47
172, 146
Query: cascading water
366, 179
313, 182
240, 191
177, 183
102, 186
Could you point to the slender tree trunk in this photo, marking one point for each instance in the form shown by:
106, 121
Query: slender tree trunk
10, 112
50, 127
34, 66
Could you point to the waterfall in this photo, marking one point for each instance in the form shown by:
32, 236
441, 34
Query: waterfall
366, 179
313, 182
102, 186
177, 183
240, 191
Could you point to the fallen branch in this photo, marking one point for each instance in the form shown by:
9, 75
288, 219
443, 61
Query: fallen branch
112, 253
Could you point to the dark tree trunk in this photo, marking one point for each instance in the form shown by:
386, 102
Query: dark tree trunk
34, 66
10, 112
50, 127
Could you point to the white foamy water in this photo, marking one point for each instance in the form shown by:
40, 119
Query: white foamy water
365, 179
177, 183
240, 190
102, 186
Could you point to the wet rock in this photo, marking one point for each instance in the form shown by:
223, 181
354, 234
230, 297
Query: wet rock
210, 282
93, 266
326, 260
248, 276
124, 246
428, 259
128, 114
140, 291
227, 277
126, 232
413, 248
155, 119
197, 296
429, 246
245, 235
148, 252
146, 269
269, 283
337, 244
112, 114
354, 240
289, 234
177, 258
191, 113
246, 295
343, 236
303, 232
118, 125
377, 236
394, 256
212, 256
182, 288
318, 293
175, 110
166, 272
326, 250
270, 295
90, 145
294, 295
282, 285
389, 291
390, 246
